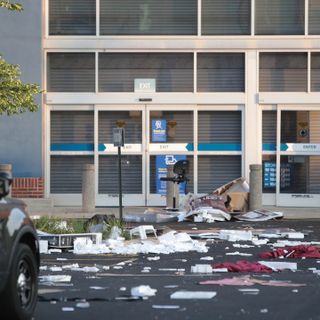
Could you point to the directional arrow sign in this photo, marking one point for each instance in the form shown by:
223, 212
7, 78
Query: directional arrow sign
171, 147
130, 147
300, 147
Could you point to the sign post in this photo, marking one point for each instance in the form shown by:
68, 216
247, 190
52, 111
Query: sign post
118, 141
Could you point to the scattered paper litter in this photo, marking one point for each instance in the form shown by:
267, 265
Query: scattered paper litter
207, 258
98, 288
67, 309
55, 269
83, 305
153, 258
86, 269
193, 295
249, 291
43, 268
70, 266
43, 246
54, 251
165, 306
143, 291
235, 235
168, 243
237, 253
55, 278
244, 246
264, 310
276, 265
171, 286
172, 269
62, 259
259, 242
201, 268
220, 270
293, 235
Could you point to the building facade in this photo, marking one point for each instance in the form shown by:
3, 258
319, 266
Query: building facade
224, 84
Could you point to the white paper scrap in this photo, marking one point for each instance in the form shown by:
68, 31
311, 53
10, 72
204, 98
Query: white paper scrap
237, 253
143, 291
55, 278
193, 295
201, 268
165, 306
43, 246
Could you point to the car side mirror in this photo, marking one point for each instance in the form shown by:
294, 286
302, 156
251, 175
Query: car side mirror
5, 182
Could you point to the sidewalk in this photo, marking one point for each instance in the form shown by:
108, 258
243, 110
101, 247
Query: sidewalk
76, 212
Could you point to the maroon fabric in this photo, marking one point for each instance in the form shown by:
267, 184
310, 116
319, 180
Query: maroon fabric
301, 251
243, 266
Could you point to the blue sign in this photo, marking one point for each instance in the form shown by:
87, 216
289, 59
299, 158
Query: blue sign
269, 174
159, 130
161, 171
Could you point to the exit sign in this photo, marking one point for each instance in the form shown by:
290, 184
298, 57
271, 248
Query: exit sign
145, 85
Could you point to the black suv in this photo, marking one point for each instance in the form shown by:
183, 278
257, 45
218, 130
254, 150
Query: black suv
19, 257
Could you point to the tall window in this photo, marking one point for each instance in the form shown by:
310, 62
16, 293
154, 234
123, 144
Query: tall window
72, 17
221, 17
283, 71
279, 17
148, 17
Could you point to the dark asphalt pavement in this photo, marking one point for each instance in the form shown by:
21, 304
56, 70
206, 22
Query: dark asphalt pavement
109, 303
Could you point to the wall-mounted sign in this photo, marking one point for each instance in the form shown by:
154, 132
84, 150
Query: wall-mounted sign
145, 85
171, 147
130, 147
300, 147
161, 171
159, 130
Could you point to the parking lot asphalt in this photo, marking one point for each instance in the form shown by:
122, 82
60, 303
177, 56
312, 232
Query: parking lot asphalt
105, 294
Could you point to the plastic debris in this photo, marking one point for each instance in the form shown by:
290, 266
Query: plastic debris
165, 306
193, 295
143, 291
55, 278
201, 268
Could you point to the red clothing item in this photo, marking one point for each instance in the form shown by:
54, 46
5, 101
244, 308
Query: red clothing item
301, 251
243, 266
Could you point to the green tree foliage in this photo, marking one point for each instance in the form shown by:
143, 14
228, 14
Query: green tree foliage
11, 6
15, 96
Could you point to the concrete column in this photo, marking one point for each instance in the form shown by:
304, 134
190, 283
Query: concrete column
88, 188
172, 189
6, 168
255, 197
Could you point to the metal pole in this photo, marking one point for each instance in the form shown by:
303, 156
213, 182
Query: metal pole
120, 183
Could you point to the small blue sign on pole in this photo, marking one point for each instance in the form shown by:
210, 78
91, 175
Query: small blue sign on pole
161, 171
159, 130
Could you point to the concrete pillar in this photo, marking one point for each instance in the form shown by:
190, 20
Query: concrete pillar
88, 188
6, 168
255, 197
172, 189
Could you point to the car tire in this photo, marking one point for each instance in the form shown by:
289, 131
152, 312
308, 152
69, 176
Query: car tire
21, 292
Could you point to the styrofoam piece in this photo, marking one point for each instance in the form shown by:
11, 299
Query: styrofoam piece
201, 268
293, 235
142, 231
143, 291
43, 246
55, 278
237, 253
193, 295
235, 235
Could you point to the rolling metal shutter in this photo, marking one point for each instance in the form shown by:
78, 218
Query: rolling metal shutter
184, 126
131, 174
314, 161
219, 127
279, 17
215, 171
66, 173
72, 127
133, 125
153, 174
173, 71
314, 17
220, 72
279, 72
269, 130
315, 71
148, 17
220, 17
70, 17
71, 72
